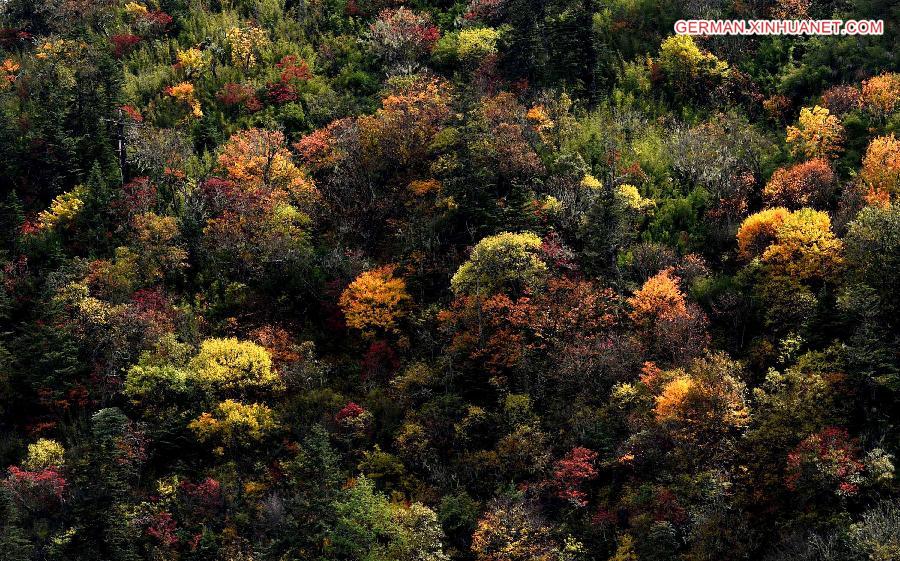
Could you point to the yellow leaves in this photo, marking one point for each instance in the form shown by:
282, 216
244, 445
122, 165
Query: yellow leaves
758, 231
231, 365
701, 403
590, 182
629, 197
134, 9
375, 301
43, 454
881, 166
192, 60
475, 44
184, 94
63, 210
682, 59
512, 532
805, 247
539, 120
60, 47
659, 298
625, 549
818, 135
672, 397
246, 45
881, 94
234, 422
797, 244
507, 260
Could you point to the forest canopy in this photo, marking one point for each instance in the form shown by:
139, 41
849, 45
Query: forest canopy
450, 280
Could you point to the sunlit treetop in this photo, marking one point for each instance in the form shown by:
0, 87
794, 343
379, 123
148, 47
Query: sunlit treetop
708, 397
799, 244
881, 94
259, 159
233, 422
375, 301
759, 230
43, 454
233, 366
659, 298
506, 261
881, 168
818, 134
809, 183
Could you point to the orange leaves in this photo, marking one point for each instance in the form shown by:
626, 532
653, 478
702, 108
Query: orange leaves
881, 166
375, 301
317, 150
797, 244
423, 187
758, 231
667, 325
804, 184
184, 93
881, 94
409, 118
8, 71
672, 398
258, 159
700, 405
659, 298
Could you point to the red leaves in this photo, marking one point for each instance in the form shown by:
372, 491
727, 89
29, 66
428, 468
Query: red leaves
233, 94
36, 489
123, 43
292, 72
294, 69
162, 527
827, 458
572, 472
279, 93
349, 411
204, 498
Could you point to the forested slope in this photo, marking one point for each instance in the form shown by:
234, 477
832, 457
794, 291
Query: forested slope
506, 280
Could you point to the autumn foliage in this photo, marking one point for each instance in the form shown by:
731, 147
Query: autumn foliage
375, 301
809, 183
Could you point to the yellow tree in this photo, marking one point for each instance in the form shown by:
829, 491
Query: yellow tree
881, 94
818, 134
758, 231
506, 260
375, 301
510, 531
234, 366
235, 423
805, 247
881, 167
799, 244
